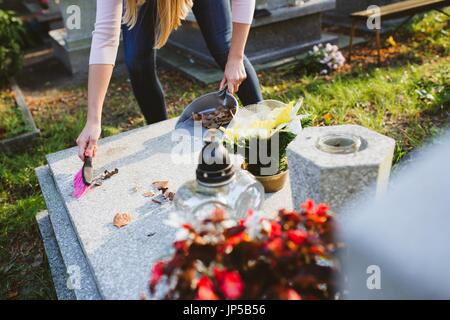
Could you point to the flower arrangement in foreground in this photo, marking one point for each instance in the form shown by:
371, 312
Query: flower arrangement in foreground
289, 255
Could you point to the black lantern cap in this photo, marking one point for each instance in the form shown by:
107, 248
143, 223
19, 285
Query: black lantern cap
214, 167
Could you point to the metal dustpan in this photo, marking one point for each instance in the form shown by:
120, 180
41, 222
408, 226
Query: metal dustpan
205, 103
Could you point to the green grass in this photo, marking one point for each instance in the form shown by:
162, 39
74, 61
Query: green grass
402, 103
11, 120
407, 99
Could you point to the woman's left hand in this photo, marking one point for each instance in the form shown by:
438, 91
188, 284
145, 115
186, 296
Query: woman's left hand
234, 74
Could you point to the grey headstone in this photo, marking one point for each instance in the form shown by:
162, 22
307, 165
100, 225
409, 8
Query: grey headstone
288, 31
55, 261
339, 179
72, 43
71, 252
404, 234
121, 259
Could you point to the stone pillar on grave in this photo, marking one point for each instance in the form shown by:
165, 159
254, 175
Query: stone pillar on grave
292, 28
339, 165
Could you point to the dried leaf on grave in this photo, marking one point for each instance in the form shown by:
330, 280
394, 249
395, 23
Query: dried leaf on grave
148, 194
219, 117
122, 219
161, 185
169, 195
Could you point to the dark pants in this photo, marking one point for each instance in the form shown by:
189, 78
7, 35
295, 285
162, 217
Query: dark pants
214, 19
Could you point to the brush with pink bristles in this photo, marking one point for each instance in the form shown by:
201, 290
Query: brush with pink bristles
82, 181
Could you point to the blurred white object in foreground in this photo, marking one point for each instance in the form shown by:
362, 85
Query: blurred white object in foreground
399, 245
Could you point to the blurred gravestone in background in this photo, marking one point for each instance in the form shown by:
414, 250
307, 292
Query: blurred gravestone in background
291, 28
398, 245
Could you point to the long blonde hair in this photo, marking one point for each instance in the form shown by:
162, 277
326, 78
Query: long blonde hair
170, 14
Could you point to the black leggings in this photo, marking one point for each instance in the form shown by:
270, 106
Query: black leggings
214, 19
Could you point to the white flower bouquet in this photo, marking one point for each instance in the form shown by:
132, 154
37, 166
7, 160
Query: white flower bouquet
261, 134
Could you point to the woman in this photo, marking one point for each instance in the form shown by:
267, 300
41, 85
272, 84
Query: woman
146, 27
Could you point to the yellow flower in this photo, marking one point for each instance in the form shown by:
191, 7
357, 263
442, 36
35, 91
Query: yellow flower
327, 118
284, 115
391, 41
262, 126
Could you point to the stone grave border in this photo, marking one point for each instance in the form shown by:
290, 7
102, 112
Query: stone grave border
26, 139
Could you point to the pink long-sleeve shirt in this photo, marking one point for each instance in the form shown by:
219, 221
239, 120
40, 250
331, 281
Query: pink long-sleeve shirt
106, 36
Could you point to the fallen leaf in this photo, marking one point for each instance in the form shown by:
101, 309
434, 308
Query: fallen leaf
161, 185
148, 194
122, 219
214, 119
169, 195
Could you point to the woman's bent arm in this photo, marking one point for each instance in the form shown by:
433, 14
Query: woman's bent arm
234, 70
105, 42
99, 77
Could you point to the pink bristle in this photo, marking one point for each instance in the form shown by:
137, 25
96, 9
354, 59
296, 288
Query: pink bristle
79, 187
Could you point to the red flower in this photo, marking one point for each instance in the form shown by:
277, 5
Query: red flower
289, 215
291, 294
157, 273
180, 245
297, 236
322, 209
317, 219
205, 289
319, 250
316, 214
236, 239
308, 205
235, 235
187, 226
276, 245
230, 283
275, 229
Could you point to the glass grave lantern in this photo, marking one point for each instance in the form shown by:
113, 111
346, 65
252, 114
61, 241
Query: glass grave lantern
218, 184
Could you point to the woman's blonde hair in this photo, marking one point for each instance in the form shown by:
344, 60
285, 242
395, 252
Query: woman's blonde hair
170, 14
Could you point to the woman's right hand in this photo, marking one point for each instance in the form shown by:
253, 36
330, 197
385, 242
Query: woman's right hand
87, 140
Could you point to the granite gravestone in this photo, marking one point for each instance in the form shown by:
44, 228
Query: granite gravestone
105, 262
287, 31
119, 260
398, 244
71, 44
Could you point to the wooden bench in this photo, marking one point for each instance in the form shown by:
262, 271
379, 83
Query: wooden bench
393, 11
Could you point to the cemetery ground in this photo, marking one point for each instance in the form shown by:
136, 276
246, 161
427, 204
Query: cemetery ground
406, 98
